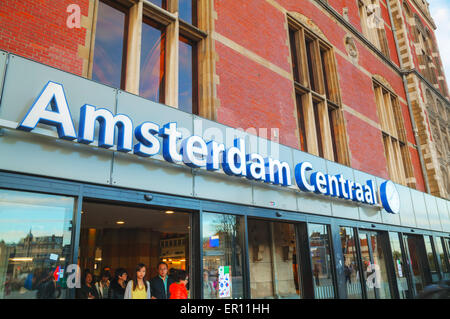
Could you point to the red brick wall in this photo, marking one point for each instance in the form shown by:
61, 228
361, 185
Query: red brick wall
366, 147
37, 29
253, 96
257, 26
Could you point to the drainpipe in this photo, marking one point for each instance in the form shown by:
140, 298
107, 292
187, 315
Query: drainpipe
408, 100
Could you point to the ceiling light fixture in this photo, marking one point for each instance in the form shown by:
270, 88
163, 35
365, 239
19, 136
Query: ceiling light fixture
169, 212
120, 222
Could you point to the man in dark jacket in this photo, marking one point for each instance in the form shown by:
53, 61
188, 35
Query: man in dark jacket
160, 284
47, 288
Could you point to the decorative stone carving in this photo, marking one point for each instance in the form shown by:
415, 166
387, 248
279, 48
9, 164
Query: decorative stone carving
309, 23
351, 48
383, 81
345, 14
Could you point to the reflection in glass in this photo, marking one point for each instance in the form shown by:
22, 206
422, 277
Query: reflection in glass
379, 258
447, 250
301, 122
35, 244
374, 263
431, 259
411, 243
400, 270
187, 10
440, 253
319, 243
293, 54
152, 74
323, 56
109, 46
351, 268
186, 80
160, 3
272, 255
223, 238
366, 261
319, 129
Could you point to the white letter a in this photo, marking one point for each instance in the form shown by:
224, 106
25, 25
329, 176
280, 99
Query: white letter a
59, 116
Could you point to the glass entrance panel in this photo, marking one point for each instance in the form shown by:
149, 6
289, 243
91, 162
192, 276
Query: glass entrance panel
400, 268
442, 259
366, 260
417, 271
446, 244
35, 244
273, 261
374, 263
223, 251
379, 259
351, 265
322, 264
431, 259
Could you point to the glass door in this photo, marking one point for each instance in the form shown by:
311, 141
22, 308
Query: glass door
432, 259
373, 259
273, 260
223, 256
322, 261
400, 266
115, 238
442, 257
351, 265
415, 250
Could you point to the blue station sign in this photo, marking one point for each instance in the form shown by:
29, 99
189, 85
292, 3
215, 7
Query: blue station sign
51, 108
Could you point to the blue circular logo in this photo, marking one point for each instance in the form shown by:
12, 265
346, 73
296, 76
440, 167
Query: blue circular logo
390, 197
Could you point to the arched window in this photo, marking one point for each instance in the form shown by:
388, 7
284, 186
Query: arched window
372, 24
425, 55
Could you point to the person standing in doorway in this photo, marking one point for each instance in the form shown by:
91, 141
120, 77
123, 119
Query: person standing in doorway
103, 284
161, 283
138, 288
209, 292
118, 284
178, 289
87, 290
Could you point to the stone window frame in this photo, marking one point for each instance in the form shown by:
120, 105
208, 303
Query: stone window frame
394, 137
377, 36
174, 28
425, 50
319, 102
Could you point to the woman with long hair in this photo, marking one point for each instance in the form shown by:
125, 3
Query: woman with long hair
138, 288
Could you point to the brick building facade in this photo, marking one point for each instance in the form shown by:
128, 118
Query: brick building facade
246, 76
353, 88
